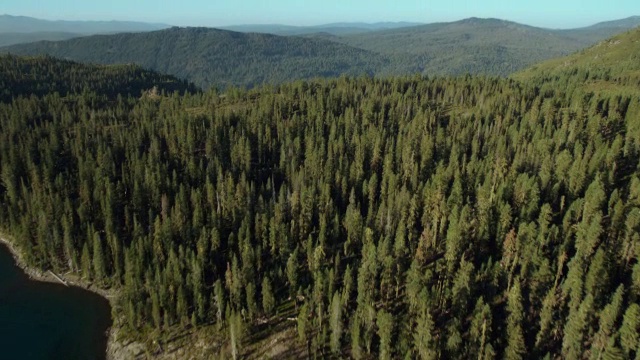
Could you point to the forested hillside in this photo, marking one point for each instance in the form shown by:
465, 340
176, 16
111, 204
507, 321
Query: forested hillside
39, 76
220, 58
610, 64
478, 46
210, 57
601, 31
334, 28
429, 218
11, 38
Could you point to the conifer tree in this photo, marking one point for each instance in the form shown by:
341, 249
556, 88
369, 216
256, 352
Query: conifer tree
335, 323
516, 348
385, 325
268, 299
630, 330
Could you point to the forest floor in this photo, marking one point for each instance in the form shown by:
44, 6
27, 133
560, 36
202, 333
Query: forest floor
273, 338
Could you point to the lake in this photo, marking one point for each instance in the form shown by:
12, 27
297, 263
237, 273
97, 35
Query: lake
41, 320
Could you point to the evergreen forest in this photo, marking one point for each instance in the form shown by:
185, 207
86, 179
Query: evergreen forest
394, 218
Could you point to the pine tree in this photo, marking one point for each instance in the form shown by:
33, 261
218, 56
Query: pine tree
608, 318
292, 271
335, 323
385, 332
98, 259
480, 331
86, 262
268, 299
236, 333
575, 329
515, 336
630, 330
303, 323
424, 340
546, 322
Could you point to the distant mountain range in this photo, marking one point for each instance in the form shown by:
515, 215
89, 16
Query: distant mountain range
222, 58
488, 46
333, 29
23, 29
24, 24
207, 56
12, 38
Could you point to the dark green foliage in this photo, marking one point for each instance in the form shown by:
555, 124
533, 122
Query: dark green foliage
335, 323
486, 46
610, 65
210, 57
401, 218
40, 76
630, 331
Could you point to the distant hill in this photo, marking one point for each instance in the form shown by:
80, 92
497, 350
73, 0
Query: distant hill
474, 45
25, 24
38, 76
333, 29
23, 29
21, 38
630, 22
222, 58
591, 34
613, 64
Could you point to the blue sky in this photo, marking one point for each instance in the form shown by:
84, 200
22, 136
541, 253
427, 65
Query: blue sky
546, 13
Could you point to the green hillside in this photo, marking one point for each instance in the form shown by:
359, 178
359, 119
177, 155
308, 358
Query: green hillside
39, 76
211, 57
613, 64
601, 31
477, 46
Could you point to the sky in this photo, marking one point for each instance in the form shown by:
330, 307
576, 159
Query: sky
543, 13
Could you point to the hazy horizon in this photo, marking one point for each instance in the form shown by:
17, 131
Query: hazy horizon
308, 25
567, 14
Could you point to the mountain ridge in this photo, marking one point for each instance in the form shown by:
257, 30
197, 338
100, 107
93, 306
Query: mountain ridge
409, 217
615, 60
223, 58
26, 24
475, 45
628, 21
209, 56
340, 28
24, 29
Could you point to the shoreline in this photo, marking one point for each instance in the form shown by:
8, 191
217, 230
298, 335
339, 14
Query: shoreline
117, 349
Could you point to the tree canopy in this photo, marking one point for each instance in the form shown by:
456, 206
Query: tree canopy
407, 217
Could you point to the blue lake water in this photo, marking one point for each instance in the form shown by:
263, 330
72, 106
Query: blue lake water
49, 321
